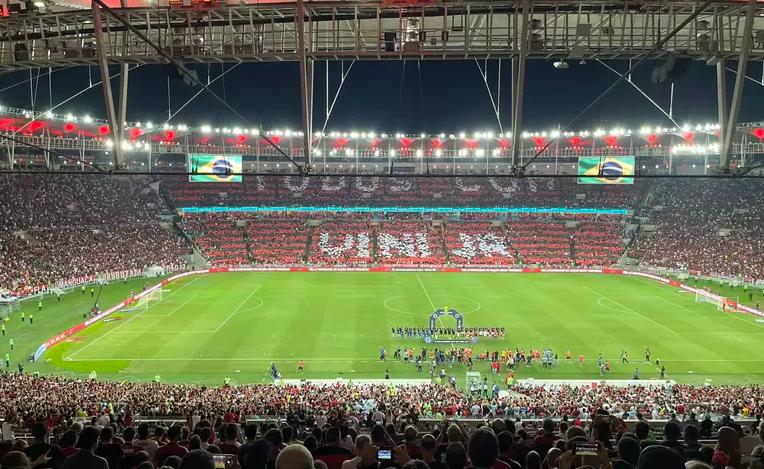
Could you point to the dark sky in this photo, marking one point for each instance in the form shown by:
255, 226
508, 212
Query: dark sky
429, 96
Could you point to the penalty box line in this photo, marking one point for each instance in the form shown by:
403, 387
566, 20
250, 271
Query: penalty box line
629, 310
98, 339
71, 358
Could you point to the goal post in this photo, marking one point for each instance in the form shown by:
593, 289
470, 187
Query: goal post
729, 305
147, 300
705, 298
723, 304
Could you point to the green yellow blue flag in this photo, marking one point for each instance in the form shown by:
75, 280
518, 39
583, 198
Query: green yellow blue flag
606, 170
214, 168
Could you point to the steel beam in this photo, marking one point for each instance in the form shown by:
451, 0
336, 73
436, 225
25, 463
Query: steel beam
721, 97
737, 95
306, 85
108, 97
123, 80
518, 78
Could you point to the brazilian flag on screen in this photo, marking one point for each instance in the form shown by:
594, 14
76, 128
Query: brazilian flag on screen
606, 170
214, 168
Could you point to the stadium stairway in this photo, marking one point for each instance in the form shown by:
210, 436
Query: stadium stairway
515, 252
308, 241
441, 237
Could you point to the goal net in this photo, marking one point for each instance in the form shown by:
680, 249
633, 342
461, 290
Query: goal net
146, 301
7, 307
722, 304
729, 305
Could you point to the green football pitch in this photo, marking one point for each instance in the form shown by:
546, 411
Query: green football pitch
208, 327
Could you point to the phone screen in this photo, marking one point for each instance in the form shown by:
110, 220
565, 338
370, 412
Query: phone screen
586, 449
223, 461
385, 454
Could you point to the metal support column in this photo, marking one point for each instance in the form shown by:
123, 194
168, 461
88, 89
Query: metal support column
123, 80
106, 84
737, 95
721, 97
306, 85
519, 83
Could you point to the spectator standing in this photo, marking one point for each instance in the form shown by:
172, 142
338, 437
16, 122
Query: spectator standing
86, 457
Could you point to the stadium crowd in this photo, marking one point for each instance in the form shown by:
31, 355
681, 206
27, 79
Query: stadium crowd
58, 227
401, 191
333, 422
711, 228
285, 238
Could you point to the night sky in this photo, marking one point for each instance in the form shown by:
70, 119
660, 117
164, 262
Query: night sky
428, 96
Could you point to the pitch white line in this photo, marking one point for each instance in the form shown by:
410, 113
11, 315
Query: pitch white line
161, 332
631, 311
99, 338
171, 312
733, 315
425, 292
348, 360
235, 311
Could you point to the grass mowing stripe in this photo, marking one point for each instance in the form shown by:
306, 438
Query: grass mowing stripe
235, 311
97, 339
732, 315
322, 316
171, 312
345, 359
631, 311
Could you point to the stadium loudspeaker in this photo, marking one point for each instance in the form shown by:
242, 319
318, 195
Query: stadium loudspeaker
670, 70
20, 52
390, 41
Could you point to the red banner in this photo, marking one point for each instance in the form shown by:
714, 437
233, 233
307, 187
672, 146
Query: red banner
531, 270
612, 271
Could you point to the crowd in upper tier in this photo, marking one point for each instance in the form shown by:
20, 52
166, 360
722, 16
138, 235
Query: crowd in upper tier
377, 191
61, 227
333, 423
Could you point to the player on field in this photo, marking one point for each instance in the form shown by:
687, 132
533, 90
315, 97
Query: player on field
568, 356
647, 355
301, 366
274, 371
3, 328
382, 354
581, 360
